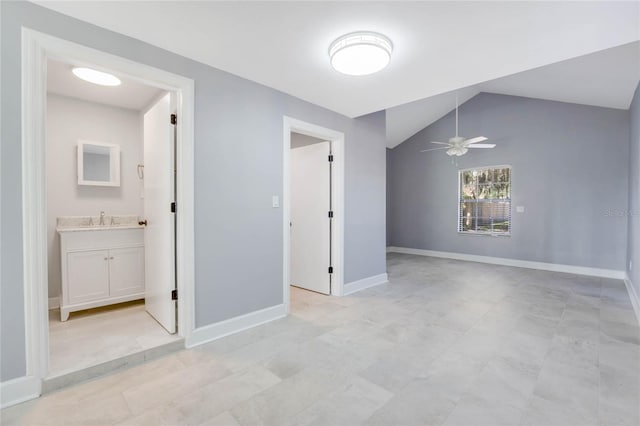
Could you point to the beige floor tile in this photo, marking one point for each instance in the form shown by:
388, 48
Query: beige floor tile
352, 404
206, 403
284, 400
445, 342
421, 402
169, 387
224, 419
98, 335
543, 412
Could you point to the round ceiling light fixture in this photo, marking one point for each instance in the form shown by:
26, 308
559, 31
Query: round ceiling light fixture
96, 77
360, 53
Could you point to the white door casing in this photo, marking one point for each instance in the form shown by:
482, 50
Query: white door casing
36, 48
310, 229
337, 140
160, 230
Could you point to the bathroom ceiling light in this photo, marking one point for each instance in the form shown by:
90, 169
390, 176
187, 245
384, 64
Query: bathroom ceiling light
360, 53
96, 77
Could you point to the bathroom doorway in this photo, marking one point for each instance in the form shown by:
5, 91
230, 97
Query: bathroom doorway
110, 166
102, 255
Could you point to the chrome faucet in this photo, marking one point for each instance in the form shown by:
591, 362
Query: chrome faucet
101, 218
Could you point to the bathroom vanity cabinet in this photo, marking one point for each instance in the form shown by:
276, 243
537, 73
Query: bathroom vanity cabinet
100, 266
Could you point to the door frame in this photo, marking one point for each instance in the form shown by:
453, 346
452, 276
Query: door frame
37, 47
337, 201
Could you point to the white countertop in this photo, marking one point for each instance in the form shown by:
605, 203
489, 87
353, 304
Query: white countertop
97, 228
91, 223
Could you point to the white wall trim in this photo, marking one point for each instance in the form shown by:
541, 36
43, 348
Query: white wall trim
36, 48
221, 329
635, 300
19, 390
365, 283
337, 201
54, 302
554, 267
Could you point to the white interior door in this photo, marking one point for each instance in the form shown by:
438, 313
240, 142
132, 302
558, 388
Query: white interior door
310, 226
159, 247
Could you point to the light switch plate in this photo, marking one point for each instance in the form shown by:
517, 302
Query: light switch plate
275, 201
520, 209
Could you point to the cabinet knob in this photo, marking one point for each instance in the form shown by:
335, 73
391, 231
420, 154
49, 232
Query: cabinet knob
106, 258
111, 258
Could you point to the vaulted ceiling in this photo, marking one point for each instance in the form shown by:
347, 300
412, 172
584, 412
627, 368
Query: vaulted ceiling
607, 79
439, 47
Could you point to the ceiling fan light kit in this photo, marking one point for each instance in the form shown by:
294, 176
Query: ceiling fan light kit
360, 53
457, 145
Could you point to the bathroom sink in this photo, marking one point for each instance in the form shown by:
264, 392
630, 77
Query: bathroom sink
95, 227
92, 223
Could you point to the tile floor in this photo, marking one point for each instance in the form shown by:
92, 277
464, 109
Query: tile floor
98, 335
447, 342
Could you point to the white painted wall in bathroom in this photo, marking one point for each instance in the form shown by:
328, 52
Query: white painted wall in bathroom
67, 121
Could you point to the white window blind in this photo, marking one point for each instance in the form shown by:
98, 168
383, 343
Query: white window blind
485, 201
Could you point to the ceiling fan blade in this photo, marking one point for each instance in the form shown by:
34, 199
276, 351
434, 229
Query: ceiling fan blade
483, 145
434, 149
475, 140
440, 143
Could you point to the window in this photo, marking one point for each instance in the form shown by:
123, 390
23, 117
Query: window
485, 201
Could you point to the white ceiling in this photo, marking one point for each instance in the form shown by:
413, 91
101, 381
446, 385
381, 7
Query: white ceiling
439, 47
299, 140
607, 79
130, 94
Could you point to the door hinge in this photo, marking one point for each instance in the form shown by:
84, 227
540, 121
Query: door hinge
331, 158
173, 207
174, 119
330, 213
331, 269
174, 294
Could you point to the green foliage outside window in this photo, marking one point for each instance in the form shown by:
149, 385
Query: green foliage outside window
485, 200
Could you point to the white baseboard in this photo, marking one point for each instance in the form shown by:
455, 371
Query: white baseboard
635, 300
221, 329
19, 390
359, 285
54, 303
554, 267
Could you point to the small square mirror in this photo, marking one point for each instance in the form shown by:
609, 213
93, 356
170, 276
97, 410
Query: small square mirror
98, 164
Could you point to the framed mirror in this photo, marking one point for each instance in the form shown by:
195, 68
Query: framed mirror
98, 164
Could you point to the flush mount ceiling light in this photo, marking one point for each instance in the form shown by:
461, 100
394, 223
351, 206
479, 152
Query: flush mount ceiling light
360, 53
96, 77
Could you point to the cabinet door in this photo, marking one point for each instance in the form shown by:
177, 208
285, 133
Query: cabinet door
88, 275
126, 271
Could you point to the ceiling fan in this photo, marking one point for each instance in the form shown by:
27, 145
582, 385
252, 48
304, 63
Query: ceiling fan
458, 145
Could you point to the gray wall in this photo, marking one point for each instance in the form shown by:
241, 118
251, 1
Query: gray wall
633, 248
570, 169
238, 167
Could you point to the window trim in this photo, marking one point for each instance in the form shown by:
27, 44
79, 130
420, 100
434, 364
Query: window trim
485, 233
